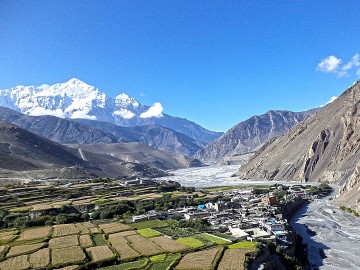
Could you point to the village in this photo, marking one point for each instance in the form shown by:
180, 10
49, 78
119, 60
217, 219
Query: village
248, 213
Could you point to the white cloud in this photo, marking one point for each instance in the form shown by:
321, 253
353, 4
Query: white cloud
82, 115
329, 64
355, 62
332, 64
38, 111
124, 113
154, 111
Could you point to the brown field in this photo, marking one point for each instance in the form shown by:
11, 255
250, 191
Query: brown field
48, 206
60, 203
87, 224
84, 201
23, 249
8, 236
233, 259
86, 241
200, 260
94, 230
40, 258
84, 227
64, 229
100, 253
143, 245
18, 263
114, 227
122, 234
64, 241
41, 207
168, 244
35, 233
2, 248
120, 244
67, 255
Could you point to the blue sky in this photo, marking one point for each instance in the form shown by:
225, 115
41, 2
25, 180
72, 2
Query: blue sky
213, 62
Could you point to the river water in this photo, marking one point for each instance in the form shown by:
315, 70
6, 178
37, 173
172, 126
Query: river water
332, 236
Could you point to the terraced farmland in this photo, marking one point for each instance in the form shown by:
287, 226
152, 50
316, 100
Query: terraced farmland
200, 260
68, 246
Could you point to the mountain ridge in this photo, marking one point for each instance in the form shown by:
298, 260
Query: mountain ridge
84, 131
250, 134
77, 100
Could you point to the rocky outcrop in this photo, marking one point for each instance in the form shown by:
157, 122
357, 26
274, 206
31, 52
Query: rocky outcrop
325, 147
250, 134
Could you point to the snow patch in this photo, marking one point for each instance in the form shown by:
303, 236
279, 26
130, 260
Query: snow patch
331, 99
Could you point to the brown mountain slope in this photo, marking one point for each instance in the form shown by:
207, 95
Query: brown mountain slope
22, 150
325, 147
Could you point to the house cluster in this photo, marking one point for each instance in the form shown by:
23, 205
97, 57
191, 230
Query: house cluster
247, 214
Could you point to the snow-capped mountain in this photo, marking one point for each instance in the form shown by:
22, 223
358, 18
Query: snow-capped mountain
72, 99
77, 100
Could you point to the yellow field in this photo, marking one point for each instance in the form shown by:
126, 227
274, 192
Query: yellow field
35, 233
23, 249
64, 229
64, 241
86, 241
122, 234
69, 255
100, 253
114, 227
18, 263
200, 260
143, 245
169, 244
233, 259
40, 258
120, 244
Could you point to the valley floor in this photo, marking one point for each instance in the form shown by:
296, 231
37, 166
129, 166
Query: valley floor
215, 175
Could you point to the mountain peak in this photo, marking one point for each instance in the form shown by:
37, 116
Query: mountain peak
75, 81
124, 100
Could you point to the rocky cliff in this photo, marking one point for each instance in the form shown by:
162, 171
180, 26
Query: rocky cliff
325, 147
250, 134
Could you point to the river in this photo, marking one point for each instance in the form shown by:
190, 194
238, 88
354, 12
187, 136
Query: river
332, 235
212, 176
